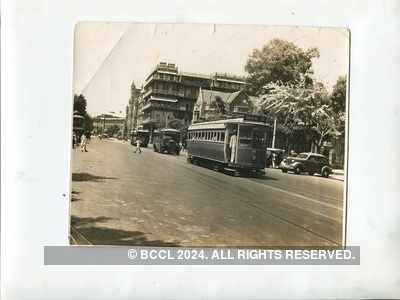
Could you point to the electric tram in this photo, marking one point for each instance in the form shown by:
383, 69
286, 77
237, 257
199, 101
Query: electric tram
237, 144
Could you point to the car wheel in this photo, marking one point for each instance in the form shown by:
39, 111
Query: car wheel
311, 173
297, 170
325, 173
284, 171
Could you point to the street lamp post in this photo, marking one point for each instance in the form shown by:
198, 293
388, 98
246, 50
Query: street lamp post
274, 134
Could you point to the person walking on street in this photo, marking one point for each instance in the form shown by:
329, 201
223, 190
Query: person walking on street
83, 143
138, 147
73, 140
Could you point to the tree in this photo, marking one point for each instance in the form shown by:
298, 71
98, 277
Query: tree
112, 130
298, 105
279, 61
80, 104
338, 97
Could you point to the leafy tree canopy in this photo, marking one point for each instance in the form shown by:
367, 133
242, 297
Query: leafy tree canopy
298, 105
338, 97
80, 104
279, 61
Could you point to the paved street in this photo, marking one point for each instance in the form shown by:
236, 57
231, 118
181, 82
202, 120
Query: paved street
152, 199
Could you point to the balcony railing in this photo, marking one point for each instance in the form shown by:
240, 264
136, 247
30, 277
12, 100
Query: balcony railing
164, 106
148, 120
151, 91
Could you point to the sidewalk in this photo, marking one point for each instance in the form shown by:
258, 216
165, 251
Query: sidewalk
337, 174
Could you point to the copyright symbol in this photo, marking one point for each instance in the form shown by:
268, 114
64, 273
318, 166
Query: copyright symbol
132, 254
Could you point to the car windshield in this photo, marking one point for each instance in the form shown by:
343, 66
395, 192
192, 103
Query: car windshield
303, 155
170, 136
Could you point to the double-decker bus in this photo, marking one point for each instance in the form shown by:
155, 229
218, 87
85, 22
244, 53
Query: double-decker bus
234, 144
142, 135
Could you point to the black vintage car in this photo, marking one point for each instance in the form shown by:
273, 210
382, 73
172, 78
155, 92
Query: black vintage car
310, 163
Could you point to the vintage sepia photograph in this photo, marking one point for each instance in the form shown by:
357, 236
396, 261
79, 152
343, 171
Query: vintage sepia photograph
209, 135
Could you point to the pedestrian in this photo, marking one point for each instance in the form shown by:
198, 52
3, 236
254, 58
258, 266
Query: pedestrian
233, 145
73, 140
83, 143
138, 147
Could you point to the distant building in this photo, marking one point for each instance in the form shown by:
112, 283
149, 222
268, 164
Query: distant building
102, 122
169, 96
211, 103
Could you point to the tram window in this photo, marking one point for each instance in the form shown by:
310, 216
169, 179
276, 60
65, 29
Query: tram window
222, 137
258, 138
245, 133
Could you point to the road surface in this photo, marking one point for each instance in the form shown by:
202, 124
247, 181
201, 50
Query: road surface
152, 199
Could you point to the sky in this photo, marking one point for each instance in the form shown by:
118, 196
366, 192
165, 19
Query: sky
108, 57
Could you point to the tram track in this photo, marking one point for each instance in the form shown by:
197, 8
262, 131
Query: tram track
267, 212
277, 216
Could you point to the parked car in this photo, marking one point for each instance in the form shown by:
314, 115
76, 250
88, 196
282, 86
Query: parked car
307, 162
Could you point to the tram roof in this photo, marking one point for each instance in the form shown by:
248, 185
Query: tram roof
167, 130
220, 124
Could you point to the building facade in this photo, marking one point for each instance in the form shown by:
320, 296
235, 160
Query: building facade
102, 123
132, 110
169, 96
211, 104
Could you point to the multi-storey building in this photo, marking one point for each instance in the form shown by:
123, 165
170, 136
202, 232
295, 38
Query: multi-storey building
132, 109
169, 96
